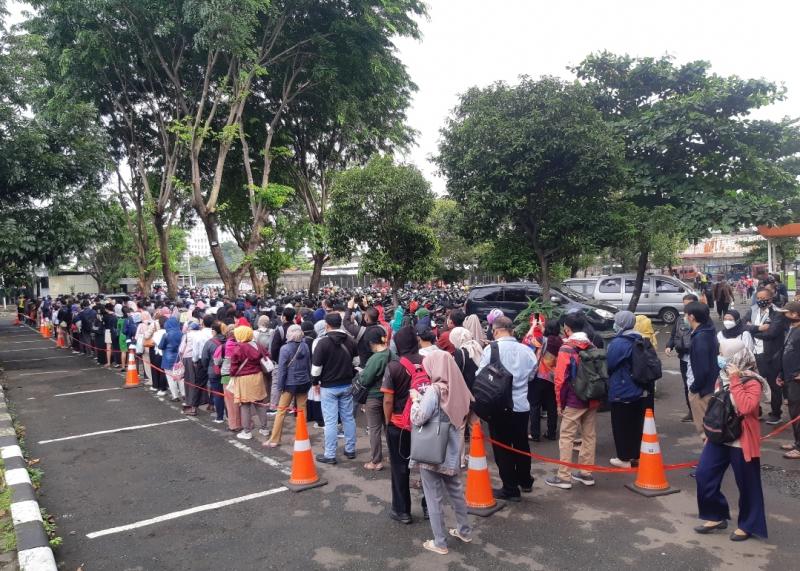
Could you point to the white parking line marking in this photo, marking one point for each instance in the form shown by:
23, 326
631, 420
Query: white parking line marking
181, 513
42, 373
87, 392
15, 342
100, 432
31, 360
29, 349
261, 457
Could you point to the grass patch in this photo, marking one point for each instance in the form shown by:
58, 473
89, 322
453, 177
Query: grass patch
8, 537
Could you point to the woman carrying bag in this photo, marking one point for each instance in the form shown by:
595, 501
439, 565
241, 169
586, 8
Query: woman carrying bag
445, 405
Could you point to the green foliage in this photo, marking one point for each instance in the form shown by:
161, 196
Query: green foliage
457, 255
380, 210
282, 244
533, 163
509, 256
538, 305
786, 250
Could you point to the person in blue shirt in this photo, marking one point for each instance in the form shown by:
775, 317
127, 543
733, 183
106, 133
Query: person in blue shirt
520, 361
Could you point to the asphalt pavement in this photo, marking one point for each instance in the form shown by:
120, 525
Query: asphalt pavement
172, 492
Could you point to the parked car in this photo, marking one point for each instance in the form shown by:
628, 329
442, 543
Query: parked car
662, 296
513, 298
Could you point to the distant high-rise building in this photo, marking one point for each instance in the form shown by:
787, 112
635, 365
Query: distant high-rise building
197, 242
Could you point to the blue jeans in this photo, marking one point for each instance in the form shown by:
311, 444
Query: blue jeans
338, 402
217, 397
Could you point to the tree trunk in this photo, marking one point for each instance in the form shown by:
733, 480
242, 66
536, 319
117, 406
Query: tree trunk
316, 273
258, 283
544, 274
641, 268
573, 270
162, 231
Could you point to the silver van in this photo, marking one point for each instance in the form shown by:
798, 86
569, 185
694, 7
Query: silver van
662, 296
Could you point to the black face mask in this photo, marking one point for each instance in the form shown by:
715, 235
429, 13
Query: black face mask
763, 303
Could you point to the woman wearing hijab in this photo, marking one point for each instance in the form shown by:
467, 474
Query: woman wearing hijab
468, 353
169, 345
249, 391
473, 324
734, 328
154, 359
490, 317
737, 372
397, 320
626, 398
231, 408
292, 379
186, 352
542, 389
447, 399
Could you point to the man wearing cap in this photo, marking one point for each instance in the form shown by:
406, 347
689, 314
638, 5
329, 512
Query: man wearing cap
790, 374
520, 361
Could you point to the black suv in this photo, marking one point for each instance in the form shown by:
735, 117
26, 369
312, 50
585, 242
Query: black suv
512, 298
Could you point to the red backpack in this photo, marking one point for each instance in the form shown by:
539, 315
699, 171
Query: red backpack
419, 382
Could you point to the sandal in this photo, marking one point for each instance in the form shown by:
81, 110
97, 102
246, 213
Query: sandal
455, 533
787, 447
375, 467
792, 455
431, 546
270, 444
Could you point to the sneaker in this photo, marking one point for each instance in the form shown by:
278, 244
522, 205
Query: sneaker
318, 425
263, 432
773, 420
401, 517
245, 435
272, 412
218, 420
501, 494
325, 460
154, 389
557, 482
455, 533
340, 435
161, 393
431, 546
688, 418
585, 479
619, 463
350, 455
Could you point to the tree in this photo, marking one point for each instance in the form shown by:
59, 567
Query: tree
509, 256
457, 256
52, 161
690, 145
282, 243
786, 250
533, 162
380, 210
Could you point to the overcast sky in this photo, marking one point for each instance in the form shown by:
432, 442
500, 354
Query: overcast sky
472, 42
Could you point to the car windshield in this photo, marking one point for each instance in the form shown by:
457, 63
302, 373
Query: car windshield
570, 293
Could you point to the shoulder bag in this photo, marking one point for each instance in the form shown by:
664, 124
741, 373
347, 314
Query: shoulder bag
429, 441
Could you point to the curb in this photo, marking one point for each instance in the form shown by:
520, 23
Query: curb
33, 548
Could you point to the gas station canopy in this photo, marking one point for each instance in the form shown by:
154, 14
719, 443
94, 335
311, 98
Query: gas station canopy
785, 231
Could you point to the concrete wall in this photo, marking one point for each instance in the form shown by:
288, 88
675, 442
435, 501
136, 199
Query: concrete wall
79, 283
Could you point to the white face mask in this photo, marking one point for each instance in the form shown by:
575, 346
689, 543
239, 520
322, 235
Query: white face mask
728, 324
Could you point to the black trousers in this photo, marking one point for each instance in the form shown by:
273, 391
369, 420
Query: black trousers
515, 469
794, 411
159, 378
542, 395
684, 372
399, 444
768, 370
722, 307
627, 423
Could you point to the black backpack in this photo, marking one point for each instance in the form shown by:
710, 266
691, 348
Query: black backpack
645, 364
722, 424
590, 375
97, 326
492, 388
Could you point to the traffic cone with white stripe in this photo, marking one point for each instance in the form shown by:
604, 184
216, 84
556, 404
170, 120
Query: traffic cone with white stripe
651, 478
304, 472
132, 374
43, 329
479, 497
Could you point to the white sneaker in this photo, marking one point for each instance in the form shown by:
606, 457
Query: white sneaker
161, 393
244, 435
619, 463
272, 412
154, 389
263, 432
218, 421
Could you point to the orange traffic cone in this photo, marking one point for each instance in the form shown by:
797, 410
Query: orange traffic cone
651, 479
132, 375
59, 341
16, 320
43, 329
480, 500
304, 472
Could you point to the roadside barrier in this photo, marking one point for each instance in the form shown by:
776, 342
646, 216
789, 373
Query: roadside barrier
479, 497
132, 374
304, 472
651, 479
533, 455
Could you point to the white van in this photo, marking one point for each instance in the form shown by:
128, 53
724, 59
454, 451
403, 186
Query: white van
662, 296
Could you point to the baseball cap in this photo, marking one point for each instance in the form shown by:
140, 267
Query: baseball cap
793, 306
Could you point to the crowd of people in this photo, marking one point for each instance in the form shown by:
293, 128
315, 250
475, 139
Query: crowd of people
248, 361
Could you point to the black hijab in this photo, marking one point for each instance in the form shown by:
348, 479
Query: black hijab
405, 340
736, 330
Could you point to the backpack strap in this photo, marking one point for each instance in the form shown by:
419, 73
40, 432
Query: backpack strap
495, 352
410, 368
361, 332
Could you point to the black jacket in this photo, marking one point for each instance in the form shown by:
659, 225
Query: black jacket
703, 359
681, 337
774, 336
790, 363
359, 334
332, 361
278, 341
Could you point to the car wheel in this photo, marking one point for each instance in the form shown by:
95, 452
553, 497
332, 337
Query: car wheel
668, 315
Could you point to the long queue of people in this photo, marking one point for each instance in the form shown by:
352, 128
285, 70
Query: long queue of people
337, 359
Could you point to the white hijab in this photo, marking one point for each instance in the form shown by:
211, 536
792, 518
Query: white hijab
461, 338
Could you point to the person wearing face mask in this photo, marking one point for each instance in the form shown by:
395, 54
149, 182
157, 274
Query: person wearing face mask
679, 342
733, 327
790, 375
703, 369
768, 328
